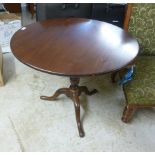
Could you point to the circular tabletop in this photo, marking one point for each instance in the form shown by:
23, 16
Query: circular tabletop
74, 47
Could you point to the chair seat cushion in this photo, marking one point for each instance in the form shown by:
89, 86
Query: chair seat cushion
141, 90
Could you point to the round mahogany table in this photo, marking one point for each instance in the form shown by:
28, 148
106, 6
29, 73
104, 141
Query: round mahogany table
74, 47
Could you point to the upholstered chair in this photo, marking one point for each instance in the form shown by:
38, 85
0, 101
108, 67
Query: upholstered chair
140, 91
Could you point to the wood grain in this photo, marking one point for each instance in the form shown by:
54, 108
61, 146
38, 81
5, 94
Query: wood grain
74, 47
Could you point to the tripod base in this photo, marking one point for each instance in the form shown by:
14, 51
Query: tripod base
73, 92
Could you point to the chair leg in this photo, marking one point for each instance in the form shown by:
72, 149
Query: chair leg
113, 77
127, 113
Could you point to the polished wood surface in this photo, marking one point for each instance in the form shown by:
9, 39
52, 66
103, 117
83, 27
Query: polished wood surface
74, 47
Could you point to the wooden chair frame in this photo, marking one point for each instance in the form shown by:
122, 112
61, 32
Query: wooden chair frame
127, 16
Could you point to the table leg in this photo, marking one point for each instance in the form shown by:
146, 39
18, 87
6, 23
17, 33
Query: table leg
56, 94
73, 92
76, 101
86, 91
75, 97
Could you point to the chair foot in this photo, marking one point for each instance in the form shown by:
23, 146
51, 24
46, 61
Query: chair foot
127, 113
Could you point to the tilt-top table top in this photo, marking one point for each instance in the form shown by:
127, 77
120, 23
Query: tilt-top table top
74, 47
